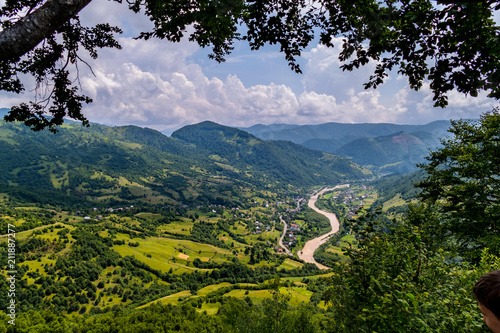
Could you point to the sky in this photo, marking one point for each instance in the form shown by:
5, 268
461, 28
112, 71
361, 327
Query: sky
165, 86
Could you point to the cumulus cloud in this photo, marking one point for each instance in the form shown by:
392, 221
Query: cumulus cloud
459, 106
155, 84
322, 72
163, 85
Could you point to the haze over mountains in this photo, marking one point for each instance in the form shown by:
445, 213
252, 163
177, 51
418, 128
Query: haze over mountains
386, 148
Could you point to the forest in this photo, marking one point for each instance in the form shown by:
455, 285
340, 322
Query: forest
122, 229
408, 252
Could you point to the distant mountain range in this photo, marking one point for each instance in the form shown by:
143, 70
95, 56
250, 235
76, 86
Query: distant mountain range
206, 162
386, 148
383, 148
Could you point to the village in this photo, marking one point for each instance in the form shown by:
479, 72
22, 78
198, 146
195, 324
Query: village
281, 224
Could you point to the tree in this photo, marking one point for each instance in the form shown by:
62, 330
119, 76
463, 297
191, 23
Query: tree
451, 44
464, 180
394, 281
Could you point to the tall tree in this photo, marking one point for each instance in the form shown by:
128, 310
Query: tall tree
464, 180
453, 45
394, 281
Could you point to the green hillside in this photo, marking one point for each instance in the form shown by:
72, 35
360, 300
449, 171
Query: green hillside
115, 164
280, 161
395, 153
384, 148
102, 164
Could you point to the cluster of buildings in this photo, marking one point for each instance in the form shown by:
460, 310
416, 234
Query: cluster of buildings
261, 227
352, 200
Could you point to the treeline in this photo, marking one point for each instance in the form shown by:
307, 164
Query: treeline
315, 224
322, 256
15, 195
234, 315
403, 185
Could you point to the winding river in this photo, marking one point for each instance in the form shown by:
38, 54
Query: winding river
307, 253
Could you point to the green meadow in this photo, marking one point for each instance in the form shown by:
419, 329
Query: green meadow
165, 254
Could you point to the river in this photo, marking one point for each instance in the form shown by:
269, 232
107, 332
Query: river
307, 253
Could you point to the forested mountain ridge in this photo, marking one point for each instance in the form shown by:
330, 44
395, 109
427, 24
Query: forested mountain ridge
386, 148
399, 152
283, 160
342, 132
100, 162
107, 164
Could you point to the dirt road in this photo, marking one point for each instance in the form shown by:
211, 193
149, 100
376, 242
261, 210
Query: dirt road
283, 236
307, 253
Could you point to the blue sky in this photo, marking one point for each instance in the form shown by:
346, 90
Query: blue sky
164, 86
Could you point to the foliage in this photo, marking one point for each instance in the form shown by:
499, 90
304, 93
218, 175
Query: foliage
388, 187
463, 181
51, 61
316, 224
394, 282
273, 315
205, 233
451, 44
322, 256
284, 161
408, 34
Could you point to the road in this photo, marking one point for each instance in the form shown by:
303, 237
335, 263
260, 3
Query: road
307, 253
283, 236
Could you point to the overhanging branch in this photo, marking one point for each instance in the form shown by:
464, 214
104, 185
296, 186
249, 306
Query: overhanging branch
26, 33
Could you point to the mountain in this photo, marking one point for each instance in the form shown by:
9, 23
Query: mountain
205, 162
396, 153
340, 132
104, 164
280, 160
385, 148
260, 129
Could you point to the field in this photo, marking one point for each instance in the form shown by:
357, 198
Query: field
177, 227
172, 255
162, 243
344, 242
290, 264
394, 202
297, 294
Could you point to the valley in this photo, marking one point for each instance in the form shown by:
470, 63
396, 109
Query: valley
131, 203
307, 252
160, 245
211, 227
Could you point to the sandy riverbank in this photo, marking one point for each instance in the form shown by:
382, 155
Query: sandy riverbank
307, 253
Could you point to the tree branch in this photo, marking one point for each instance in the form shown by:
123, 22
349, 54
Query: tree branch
26, 33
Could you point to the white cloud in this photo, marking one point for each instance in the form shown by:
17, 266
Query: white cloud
322, 72
459, 105
154, 84
158, 84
